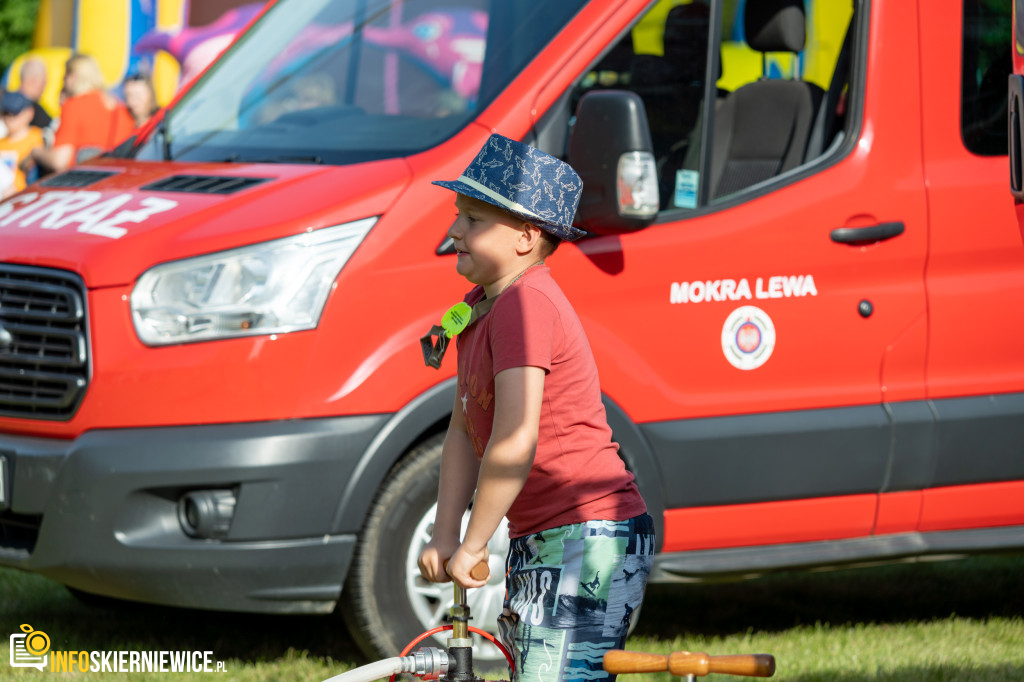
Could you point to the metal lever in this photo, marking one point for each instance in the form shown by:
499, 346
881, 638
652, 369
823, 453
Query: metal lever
460, 609
867, 235
460, 646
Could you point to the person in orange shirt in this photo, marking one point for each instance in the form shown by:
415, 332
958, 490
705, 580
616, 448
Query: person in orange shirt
16, 148
91, 122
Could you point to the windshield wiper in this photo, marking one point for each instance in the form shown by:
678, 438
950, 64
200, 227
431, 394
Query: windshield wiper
237, 158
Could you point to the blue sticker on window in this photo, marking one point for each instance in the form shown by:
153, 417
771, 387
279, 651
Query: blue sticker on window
687, 182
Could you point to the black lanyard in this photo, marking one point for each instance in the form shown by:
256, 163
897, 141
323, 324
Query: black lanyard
458, 318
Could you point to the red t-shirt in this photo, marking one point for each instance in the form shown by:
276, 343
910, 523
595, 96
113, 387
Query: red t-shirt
577, 474
85, 122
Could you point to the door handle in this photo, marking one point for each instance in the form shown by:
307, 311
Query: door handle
867, 235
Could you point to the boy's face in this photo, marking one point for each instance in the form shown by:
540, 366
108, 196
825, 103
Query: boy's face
486, 241
19, 122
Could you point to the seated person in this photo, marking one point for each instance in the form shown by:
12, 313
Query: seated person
302, 92
33, 84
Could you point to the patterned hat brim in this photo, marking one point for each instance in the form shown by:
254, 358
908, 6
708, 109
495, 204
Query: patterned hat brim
473, 189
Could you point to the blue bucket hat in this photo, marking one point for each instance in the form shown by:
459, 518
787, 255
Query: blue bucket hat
14, 103
524, 181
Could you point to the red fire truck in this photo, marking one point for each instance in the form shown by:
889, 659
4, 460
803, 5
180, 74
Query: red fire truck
802, 288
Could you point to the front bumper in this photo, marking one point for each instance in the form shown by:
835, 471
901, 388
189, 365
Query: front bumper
99, 513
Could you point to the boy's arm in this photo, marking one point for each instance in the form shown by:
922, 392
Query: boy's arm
459, 468
518, 396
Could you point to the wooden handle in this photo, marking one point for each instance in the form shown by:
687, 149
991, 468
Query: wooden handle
683, 663
619, 662
479, 572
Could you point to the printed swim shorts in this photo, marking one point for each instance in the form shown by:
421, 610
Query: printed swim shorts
569, 595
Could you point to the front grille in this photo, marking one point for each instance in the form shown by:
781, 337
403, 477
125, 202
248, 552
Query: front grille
19, 531
44, 349
203, 184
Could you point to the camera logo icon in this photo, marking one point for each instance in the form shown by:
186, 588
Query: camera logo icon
29, 648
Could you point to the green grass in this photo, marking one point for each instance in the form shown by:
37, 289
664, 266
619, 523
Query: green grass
960, 620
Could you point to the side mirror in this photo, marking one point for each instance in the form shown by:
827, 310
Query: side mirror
610, 147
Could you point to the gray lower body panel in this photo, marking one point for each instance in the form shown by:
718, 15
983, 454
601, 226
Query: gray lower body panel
808, 454
100, 512
743, 562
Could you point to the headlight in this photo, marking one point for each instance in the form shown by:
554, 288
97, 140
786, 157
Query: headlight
269, 288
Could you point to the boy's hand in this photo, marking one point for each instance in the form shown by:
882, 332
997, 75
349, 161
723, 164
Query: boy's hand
432, 559
462, 563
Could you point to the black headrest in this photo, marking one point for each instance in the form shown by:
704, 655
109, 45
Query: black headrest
686, 38
775, 25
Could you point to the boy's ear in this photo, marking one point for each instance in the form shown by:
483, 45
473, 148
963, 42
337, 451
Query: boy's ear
529, 238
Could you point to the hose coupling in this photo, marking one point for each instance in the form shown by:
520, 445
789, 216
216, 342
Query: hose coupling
430, 663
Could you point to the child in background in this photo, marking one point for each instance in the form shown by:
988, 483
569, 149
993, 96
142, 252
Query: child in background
529, 434
16, 148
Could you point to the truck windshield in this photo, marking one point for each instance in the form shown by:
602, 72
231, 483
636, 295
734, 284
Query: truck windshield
345, 81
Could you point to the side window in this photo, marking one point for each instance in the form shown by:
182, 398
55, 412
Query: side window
762, 91
664, 61
986, 64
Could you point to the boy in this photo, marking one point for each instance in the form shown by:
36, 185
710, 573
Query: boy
529, 433
21, 139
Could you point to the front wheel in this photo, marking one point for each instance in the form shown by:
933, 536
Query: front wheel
385, 602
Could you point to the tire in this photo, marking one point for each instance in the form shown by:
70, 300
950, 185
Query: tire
385, 602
